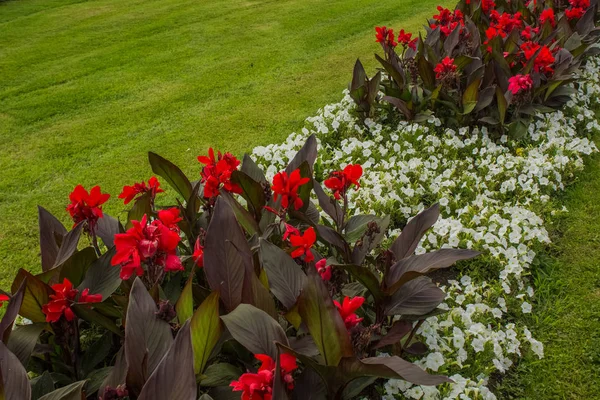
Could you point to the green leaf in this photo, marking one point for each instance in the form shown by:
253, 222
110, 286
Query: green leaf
227, 256
174, 377
220, 374
36, 294
286, 278
102, 277
73, 391
254, 329
23, 340
49, 228
171, 173
470, 96
185, 303
414, 230
205, 330
14, 383
147, 338
324, 322
502, 104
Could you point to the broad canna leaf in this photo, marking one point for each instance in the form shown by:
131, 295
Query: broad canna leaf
102, 277
243, 216
206, 329
106, 229
254, 329
252, 191
23, 340
324, 321
366, 277
74, 391
185, 303
41, 385
147, 338
35, 295
50, 228
14, 383
394, 334
75, 268
69, 245
174, 377
417, 265
141, 207
417, 297
117, 375
286, 278
227, 256
250, 168
328, 204
393, 368
414, 230
11, 312
220, 374
371, 241
308, 154
171, 173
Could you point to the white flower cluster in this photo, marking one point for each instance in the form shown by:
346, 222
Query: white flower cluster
494, 197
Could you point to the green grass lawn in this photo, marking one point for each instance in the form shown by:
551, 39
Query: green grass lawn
567, 316
88, 87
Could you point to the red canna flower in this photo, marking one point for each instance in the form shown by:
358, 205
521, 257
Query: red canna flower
340, 181
87, 207
290, 230
259, 386
385, 36
574, 13
404, 38
287, 364
151, 243
302, 244
487, 5
548, 16
62, 299
447, 20
287, 188
130, 192
444, 68
519, 83
347, 310
217, 173
580, 3
198, 255
323, 269
542, 61
89, 298
3, 298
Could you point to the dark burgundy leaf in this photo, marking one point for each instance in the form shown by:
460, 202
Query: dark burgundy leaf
417, 297
50, 227
416, 349
395, 367
254, 329
14, 383
394, 334
147, 338
106, 229
23, 340
11, 312
308, 154
102, 277
69, 245
174, 377
74, 391
328, 204
286, 278
412, 233
414, 266
171, 173
227, 256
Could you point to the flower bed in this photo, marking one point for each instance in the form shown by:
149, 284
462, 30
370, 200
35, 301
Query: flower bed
494, 197
301, 271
